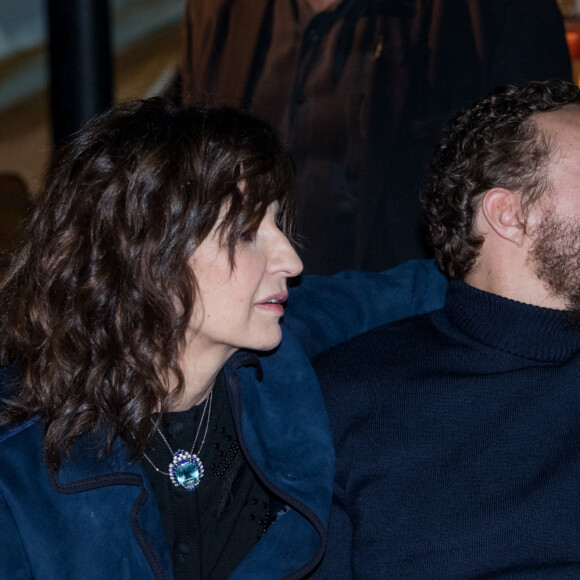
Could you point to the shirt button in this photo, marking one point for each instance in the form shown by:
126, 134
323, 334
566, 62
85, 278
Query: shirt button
183, 548
299, 98
313, 35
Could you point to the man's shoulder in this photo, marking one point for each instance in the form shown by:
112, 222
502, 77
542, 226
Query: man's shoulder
360, 376
375, 350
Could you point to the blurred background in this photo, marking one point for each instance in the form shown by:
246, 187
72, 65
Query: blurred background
144, 37
144, 44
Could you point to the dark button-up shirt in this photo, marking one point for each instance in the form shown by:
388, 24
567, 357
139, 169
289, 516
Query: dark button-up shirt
359, 93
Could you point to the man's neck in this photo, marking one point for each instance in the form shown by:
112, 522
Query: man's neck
519, 284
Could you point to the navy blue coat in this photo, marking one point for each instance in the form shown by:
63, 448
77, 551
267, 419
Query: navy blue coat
99, 519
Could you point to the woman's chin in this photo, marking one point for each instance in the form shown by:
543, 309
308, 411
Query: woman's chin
267, 343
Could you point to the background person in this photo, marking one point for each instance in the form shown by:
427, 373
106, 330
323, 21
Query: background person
360, 90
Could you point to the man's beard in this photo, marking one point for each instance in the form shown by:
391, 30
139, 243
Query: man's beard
556, 254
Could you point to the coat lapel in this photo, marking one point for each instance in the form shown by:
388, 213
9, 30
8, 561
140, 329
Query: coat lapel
87, 472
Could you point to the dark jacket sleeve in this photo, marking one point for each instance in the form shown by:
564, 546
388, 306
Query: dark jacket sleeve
325, 311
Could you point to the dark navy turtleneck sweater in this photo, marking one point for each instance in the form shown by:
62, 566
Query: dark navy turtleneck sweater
458, 444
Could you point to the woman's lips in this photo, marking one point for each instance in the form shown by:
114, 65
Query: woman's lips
273, 304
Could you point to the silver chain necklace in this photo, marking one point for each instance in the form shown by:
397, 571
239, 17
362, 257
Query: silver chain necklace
186, 469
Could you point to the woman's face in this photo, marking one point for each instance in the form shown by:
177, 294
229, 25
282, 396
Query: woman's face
241, 307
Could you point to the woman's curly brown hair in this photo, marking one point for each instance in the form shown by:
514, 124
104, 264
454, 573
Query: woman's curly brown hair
96, 302
495, 143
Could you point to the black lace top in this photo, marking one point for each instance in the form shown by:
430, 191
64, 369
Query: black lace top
210, 530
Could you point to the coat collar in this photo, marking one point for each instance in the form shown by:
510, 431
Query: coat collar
274, 419
87, 471
284, 423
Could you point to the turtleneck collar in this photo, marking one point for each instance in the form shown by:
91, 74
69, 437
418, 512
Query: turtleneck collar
531, 332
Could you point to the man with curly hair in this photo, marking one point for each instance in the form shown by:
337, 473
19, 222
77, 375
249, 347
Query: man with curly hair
457, 432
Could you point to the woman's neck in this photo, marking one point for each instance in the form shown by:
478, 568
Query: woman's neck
200, 367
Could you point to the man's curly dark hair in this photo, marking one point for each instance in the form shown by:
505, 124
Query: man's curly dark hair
494, 143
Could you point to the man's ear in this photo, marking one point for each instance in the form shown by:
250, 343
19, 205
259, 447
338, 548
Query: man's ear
502, 210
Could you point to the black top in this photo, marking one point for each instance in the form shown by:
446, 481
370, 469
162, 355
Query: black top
457, 438
210, 530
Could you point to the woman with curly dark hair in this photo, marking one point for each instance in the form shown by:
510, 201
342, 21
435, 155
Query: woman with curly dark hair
158, 249
142, 436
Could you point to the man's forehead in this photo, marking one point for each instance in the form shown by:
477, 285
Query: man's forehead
562, 128
562, 124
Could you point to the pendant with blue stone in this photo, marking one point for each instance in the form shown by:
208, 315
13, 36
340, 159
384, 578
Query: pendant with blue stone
186, 470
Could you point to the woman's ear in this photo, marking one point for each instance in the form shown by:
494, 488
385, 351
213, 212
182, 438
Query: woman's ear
502, 210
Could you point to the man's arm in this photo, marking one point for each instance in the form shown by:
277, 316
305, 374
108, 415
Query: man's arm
324, 311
